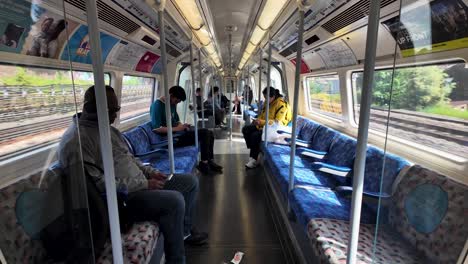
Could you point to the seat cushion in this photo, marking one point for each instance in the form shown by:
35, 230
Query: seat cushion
310, 204
138, 244
329, 239
277, 159
185, 160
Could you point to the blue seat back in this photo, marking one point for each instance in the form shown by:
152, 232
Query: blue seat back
154, 138
306, 128
375, 160
323, 138
342, 151
138, 141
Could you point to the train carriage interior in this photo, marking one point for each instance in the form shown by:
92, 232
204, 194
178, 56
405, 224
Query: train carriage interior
247, 131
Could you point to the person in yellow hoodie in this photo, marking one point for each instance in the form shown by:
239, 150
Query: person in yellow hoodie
279, 112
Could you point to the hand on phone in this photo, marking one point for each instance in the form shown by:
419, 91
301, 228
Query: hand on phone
159, 176
154, 184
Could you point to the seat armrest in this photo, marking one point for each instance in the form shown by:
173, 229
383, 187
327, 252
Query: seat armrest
332, 169
349, 190
299, 142
282, 132
312, 153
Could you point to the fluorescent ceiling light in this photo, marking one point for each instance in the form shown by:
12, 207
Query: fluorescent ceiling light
203, 36
269, 13
257, 35
250, 48
191, 13
210, 48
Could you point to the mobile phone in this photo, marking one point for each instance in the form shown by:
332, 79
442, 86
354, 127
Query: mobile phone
169, 177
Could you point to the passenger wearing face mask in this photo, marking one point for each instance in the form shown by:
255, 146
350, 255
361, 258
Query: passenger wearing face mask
279, 111
151, 195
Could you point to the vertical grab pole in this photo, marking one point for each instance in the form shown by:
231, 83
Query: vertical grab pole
267, 99
232, 86
259, 81
167, 102
297, 82
213, 104
360, 161
247, 82
194, 96
104, 130
202, 91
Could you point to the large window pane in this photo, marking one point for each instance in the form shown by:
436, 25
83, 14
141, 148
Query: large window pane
428, 105
324, 95
136, 96
36, 105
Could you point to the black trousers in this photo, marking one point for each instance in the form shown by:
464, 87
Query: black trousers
205, 138
253, 139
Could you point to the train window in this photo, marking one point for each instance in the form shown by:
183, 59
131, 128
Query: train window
429, 105
36, 105
323, 94
276, 80
137, 95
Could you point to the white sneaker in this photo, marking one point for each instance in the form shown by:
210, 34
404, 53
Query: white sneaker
252, 163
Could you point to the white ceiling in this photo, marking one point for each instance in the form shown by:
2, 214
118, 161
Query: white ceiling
238, 13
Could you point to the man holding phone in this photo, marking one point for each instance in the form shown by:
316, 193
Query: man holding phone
205, 136
152, 195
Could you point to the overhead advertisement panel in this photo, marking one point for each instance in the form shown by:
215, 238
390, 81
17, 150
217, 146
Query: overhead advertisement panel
15, 22
432, 27
47, 35
304, 67
125, 55
147, 62
80, 47
336, 54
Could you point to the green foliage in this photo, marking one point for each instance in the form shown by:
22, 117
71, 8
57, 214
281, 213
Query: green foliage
413, 88
28, 77
446, 110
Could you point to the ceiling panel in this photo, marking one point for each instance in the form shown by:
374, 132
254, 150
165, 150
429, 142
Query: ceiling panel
226, 13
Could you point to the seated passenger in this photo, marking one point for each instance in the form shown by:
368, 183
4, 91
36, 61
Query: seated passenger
279, 112
151, 197
205, 136
219, 112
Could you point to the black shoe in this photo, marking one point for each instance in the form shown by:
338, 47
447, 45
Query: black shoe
215, 166
204, 167
196, 238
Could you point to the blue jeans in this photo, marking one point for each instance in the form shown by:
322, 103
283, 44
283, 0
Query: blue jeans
172, 208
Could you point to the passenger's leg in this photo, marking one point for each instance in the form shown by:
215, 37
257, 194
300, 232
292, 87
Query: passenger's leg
247, 131
167, 209
187, 185
205, 137
256, 140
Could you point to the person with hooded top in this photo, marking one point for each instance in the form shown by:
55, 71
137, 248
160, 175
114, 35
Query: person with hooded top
151, 196
205, 136
279, 112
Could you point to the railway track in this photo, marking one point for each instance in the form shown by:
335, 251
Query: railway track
419, 124
9, 134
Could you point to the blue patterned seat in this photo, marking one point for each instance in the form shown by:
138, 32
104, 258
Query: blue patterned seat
185, 160
312, 203
139, 145
426, 224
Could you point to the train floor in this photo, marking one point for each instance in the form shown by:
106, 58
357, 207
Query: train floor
232, 207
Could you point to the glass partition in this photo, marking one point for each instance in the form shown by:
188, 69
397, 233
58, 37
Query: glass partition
45, 215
